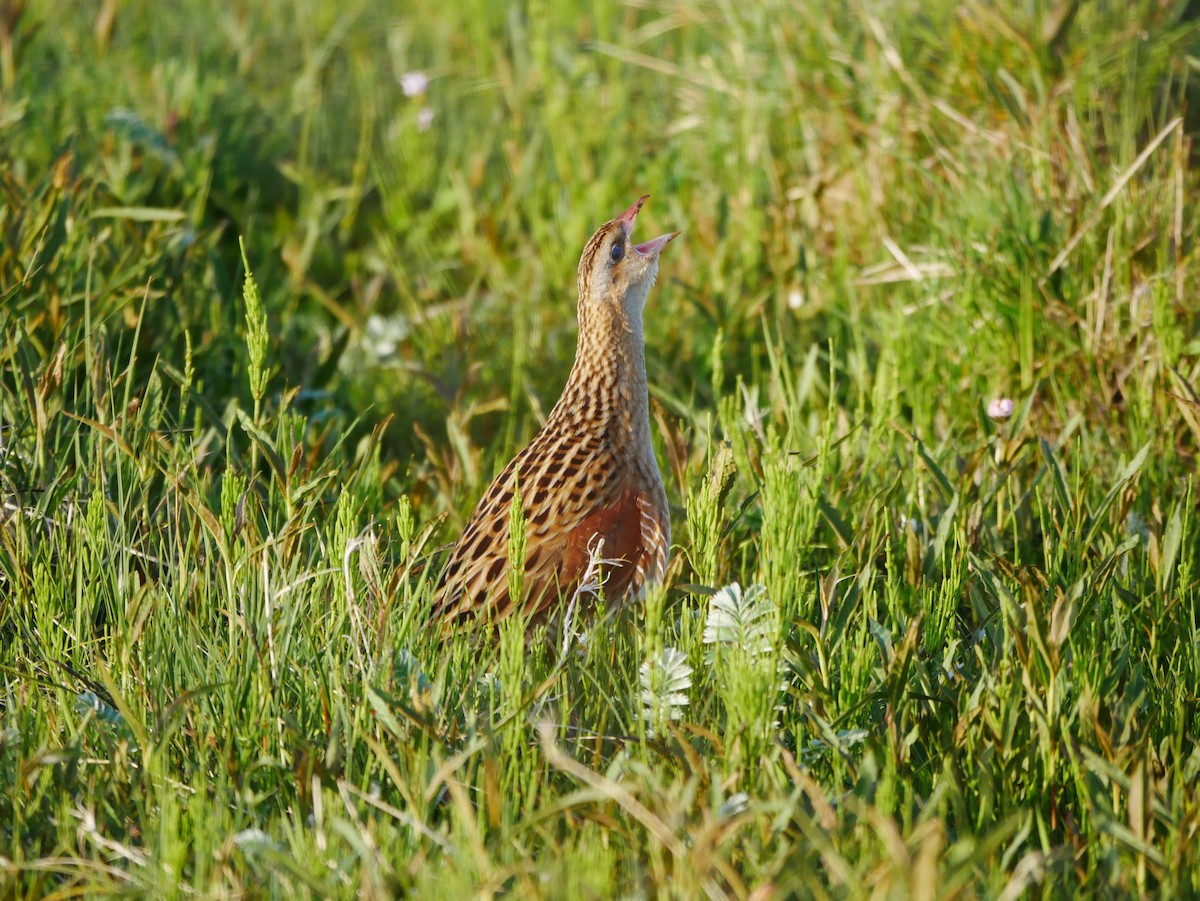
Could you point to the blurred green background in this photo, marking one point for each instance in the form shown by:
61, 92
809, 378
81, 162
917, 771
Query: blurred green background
843, 174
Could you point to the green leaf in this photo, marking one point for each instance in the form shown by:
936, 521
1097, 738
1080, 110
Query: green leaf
1126, 476
1172, 541
1058, 478
266, 445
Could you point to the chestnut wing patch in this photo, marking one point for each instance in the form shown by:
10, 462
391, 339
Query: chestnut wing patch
615, 531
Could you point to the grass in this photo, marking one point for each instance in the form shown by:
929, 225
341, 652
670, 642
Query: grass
903, 649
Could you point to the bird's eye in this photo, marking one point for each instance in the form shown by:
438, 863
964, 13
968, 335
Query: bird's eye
618, 252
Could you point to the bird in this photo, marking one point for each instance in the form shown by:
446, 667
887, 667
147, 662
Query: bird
589, 484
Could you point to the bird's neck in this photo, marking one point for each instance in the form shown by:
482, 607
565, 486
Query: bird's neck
607, 386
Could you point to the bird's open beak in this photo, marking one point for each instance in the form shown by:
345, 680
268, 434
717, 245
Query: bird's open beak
655, 245
648, 248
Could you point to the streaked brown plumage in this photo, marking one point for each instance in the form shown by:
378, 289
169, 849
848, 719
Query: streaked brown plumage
589, 480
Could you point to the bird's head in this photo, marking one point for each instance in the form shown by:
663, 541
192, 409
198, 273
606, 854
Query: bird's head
615, 275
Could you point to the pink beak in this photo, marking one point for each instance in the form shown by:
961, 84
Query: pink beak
627, 219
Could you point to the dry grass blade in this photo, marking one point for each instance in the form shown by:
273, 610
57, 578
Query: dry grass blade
624, 799
1113, 192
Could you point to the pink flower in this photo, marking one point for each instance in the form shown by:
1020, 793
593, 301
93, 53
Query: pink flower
424, 119
414, 84
1000, 409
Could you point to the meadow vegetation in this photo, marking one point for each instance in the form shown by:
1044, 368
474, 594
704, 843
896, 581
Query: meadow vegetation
904, 649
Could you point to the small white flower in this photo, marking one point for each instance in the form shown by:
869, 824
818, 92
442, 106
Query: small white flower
733, 805
425, 119
1000, 409
414, 83
753, 414
795, 299
87, 819
253, 838
383, 334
